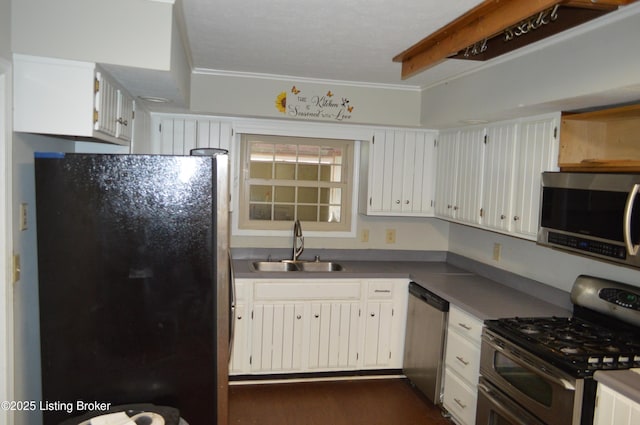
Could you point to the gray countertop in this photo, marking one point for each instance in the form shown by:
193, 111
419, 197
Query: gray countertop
479, 296
626, 382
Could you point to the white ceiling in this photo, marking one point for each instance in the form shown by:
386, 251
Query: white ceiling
352, 41
329, 40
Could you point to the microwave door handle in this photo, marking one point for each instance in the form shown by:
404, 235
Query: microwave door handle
628, 211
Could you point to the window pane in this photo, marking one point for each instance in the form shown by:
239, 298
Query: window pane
331, 173
261, 151
308, 154
285, 194
335, 196
259, 212
260, 193
308, 172
286, 153
285, 171
307, 213
283, 212
330, 155
260, 170
308, 195
325, 195
330, 214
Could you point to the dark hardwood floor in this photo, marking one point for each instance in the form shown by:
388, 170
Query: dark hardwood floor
350, 402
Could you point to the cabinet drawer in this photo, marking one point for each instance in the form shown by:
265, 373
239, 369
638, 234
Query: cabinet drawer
463, 357
459, 399
307, 290
380, 290
465, 324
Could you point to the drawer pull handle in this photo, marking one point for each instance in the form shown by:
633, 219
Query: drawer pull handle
373, 315
316, 315
462, 360
382, 291
465, 326
299, 317
459, 403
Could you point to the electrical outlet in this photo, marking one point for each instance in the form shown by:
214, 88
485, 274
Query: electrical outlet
497, 250
23, 216
390, 236
364, 236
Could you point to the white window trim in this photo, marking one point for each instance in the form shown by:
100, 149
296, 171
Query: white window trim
307, 130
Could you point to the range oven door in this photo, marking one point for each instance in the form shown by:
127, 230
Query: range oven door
540, 388
494, 408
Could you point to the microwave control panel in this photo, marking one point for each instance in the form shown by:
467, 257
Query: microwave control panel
587, 245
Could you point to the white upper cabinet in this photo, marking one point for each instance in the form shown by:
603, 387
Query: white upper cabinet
499, 162
446, 175
489, 177
70, 98
469, 181
177, 135
398, 173
536, 151
459, 172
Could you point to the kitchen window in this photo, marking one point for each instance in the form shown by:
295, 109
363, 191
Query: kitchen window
285, 178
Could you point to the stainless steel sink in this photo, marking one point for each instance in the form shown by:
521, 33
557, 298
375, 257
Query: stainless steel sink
295, 266
274, 266
319, 266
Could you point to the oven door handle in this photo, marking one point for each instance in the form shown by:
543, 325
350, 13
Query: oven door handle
528, 363
632, 249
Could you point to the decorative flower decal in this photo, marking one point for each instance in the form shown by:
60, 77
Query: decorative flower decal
309, 105
281, 102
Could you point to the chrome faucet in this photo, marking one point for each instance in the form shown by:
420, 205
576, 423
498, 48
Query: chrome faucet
298, 241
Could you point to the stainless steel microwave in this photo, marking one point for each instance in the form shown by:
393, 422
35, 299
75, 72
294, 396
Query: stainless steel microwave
592, 214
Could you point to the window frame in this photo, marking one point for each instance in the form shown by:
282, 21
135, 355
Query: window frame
346, 228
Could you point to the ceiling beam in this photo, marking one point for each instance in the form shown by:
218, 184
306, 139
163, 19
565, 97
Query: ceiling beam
486, 20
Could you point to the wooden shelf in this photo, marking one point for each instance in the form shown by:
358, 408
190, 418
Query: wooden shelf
606, 140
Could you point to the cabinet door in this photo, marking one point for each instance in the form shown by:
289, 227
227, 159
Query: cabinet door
124, 122
106, 106
615, 408
446, 175
536, 151
401, 173
469, 181
384, 178
378, 327
277, 332
239, 356
178, 135
498, 176
213, 134
418, 173
333, 334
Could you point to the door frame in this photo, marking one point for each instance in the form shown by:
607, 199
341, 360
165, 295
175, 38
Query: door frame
6, 273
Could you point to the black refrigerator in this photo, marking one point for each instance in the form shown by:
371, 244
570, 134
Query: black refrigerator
134, 283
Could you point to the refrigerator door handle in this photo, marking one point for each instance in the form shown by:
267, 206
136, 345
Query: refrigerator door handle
232, 307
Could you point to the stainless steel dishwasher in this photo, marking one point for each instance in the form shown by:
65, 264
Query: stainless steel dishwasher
424, 341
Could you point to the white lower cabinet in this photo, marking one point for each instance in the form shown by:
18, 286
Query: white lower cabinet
615, 408
297, 326
462, 365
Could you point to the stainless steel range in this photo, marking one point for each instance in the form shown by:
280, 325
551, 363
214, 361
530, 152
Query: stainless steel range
539, 371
